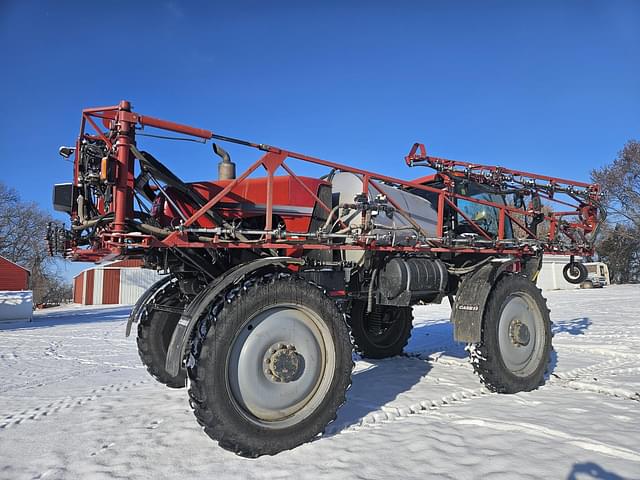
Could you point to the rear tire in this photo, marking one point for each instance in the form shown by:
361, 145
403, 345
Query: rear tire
154, 335
274, 366
516, 337
382, 333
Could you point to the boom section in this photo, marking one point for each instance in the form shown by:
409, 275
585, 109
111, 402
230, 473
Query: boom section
117, 186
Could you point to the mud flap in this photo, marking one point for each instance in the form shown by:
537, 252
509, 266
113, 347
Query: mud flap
472, 295
531, 267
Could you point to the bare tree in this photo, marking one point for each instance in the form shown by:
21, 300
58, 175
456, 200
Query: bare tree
56, 290
619, 244
620, 184
619, 247
542, 230
23, 228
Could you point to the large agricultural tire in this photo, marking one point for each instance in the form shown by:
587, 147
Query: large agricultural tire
515, 350
382, 333
154, 335
575, 273
274, 367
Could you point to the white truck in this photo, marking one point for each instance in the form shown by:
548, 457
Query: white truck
598, 275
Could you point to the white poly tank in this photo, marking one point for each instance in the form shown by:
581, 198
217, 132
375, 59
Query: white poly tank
347, 186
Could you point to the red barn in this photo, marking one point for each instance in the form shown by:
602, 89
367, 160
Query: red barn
13, 277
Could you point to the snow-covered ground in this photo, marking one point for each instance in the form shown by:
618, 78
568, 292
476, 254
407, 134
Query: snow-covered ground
76, 403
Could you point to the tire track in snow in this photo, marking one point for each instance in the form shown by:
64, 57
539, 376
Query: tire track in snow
564, 380
64, 404
35, 380
576, 373
549, 433
386, 415
392, 413
599, 350
588, 387
573, 379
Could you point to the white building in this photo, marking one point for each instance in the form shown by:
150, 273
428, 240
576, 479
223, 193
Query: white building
121, 282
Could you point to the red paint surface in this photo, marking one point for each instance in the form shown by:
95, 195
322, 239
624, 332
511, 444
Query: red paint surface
110, 283
271, 192
78, 282
125, 263
249, 199
88, 289
111, 286
13, 277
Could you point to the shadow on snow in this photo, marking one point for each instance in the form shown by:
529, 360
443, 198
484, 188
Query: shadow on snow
575, 326
435, 338
383, 380
589, 470
70, 317
376, 386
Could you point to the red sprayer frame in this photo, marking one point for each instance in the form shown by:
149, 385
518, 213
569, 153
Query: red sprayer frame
568, 237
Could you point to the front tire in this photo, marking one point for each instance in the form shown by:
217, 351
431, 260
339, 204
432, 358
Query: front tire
154, 335
516, 337
274, 366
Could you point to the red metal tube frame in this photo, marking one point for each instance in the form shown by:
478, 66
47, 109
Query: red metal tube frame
122, 123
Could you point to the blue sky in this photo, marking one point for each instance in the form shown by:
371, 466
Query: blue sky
551, 87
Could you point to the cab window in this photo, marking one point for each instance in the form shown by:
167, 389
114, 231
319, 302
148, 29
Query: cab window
484, 216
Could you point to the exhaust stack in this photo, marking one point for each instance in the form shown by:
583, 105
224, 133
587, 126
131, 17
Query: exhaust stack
226, 168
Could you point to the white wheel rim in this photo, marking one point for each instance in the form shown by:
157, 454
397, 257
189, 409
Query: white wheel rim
521, 335
277, 400
573, 273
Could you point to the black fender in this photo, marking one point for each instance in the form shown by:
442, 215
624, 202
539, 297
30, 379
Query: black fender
148, 296
468, 309
192, 313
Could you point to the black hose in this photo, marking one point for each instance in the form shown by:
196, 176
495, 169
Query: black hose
93, 221
152, 230
163, 232
464, 270
370, 293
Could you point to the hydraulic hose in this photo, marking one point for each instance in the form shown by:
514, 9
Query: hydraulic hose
370, 293
163, 232
85, 224
152, 230
80, 202
331, 214
464, 270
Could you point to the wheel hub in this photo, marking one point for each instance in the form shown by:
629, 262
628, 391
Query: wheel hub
283, 363
519, 333
280, 363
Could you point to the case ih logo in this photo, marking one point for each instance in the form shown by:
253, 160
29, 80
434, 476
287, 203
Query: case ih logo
472, 308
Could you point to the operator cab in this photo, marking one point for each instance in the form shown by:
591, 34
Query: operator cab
485, 216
